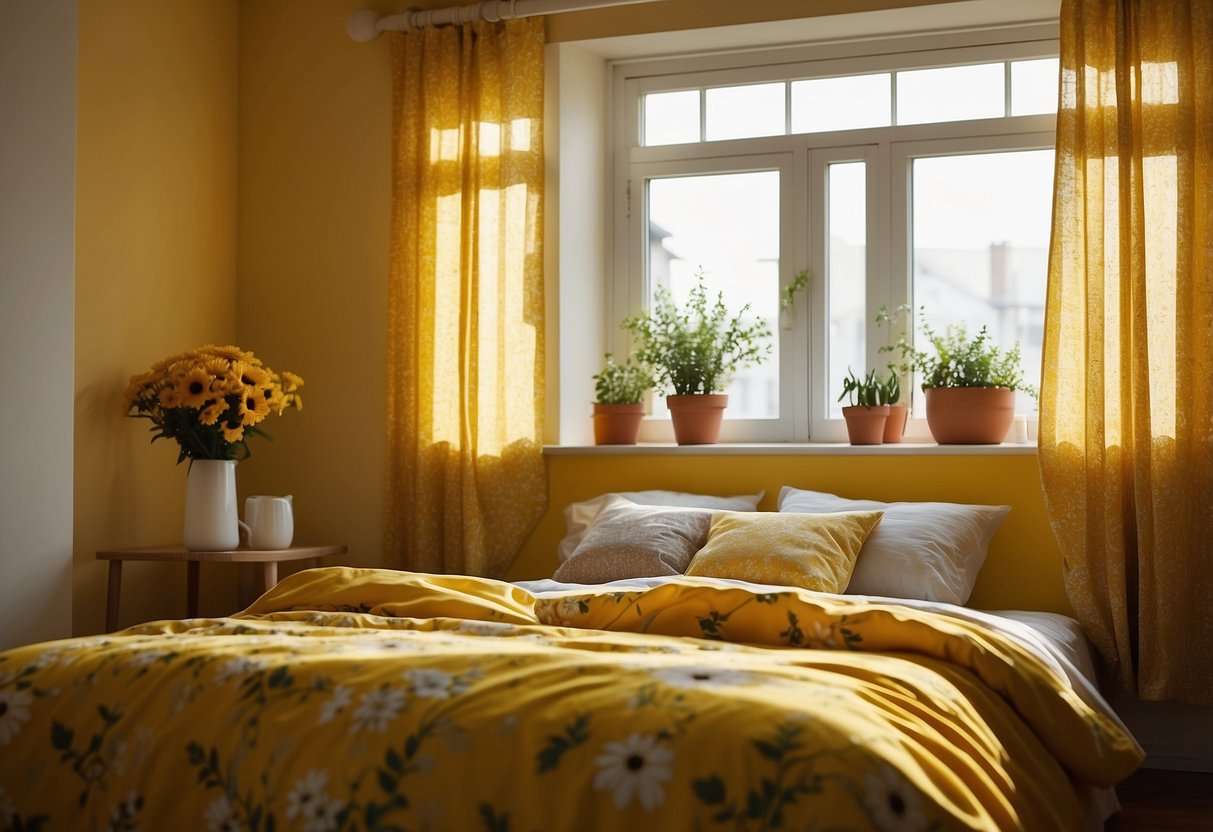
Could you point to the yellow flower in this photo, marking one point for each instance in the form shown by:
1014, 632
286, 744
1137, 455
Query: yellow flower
210, 414
169, 398
290, 382
253, 407
250, 374
217, 367
233, 430
195, 387
231, 384
231, 353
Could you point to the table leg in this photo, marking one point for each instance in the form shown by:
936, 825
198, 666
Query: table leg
269, 575
111, 599
191, 589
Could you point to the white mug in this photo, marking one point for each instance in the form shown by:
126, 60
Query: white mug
269, 522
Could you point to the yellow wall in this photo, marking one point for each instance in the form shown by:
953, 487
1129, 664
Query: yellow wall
155, 271
315, 180
1023, 570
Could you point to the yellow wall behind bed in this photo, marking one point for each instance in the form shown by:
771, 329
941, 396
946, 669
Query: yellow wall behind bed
1023, 570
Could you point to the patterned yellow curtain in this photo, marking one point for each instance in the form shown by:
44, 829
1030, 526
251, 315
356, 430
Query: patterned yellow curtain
466, 479
1126, 447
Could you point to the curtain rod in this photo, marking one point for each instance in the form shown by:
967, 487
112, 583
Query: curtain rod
365, 24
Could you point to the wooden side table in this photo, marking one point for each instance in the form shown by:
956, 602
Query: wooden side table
269, 559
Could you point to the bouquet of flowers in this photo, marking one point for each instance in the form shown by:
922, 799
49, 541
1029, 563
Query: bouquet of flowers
210, 400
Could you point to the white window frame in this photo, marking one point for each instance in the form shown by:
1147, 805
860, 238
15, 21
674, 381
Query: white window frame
803, 160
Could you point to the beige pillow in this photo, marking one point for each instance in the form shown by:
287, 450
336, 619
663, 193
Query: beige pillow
813, 551
929, 551
578, 516
631, 541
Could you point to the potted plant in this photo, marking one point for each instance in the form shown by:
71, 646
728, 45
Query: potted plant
865, 415
619, 390
970, 385
694, 351
899, 368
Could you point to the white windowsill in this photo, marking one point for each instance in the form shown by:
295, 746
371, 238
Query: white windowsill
792, 449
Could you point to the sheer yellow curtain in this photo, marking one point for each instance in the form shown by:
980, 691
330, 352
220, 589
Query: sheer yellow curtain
1126, 446
466, 479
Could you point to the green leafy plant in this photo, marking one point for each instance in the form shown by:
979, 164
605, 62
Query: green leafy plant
889, 390
865, 392
788, 295
622, 383
696, 349
958, 360
900, 351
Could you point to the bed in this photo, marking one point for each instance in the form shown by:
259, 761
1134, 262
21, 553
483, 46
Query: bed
367, 699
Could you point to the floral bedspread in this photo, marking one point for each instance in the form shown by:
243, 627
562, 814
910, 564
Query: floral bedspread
361, 699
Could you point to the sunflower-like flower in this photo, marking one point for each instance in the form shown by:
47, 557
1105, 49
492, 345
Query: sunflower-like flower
252, 407
194, 388
217, 367
250, 374
290, 382
233, 429
210, 414
208, 398
230, 352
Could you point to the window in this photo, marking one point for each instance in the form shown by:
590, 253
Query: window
921, 177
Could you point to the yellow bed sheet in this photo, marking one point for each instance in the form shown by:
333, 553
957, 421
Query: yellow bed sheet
372, 700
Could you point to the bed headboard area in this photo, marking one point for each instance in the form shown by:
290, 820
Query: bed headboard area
1022, 571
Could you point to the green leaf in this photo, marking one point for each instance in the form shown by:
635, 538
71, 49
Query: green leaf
387, 782
394, 762
768, 750
710, 790
493, 822
61, 736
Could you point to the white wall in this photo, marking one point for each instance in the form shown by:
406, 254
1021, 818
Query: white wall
37, 243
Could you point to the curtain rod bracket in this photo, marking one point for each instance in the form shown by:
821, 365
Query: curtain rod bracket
362, 25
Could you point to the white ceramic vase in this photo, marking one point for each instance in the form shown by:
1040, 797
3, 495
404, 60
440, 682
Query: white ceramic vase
211, 524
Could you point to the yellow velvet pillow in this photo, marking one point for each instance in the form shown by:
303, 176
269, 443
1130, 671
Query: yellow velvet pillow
814, 551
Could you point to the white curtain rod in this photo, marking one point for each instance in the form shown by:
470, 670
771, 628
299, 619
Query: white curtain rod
366, 24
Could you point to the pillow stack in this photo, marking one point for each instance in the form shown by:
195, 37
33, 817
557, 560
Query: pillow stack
929, 551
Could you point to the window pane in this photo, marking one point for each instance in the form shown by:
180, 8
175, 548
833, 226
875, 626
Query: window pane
726, 226
954, 93
1034, 87
846, 274
840, 103
671, 117
981, 240
744, 112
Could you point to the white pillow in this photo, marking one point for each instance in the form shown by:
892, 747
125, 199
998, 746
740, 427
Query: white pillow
578, 516
929, 551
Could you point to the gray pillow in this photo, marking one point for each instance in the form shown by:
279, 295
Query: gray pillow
627, 540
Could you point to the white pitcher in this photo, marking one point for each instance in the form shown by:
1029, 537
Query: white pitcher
269, 522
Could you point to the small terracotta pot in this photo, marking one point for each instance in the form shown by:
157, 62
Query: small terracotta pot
865, 425
617, 424
895, 427
969, 415
697, 418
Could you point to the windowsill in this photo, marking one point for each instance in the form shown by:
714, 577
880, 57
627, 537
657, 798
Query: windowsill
792, 449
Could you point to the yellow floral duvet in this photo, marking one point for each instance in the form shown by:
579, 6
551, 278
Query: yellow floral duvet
373, 700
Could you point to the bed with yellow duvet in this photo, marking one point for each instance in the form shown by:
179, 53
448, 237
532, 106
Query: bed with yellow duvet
357, 699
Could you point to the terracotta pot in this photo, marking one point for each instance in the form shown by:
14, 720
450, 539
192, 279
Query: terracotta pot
865, 425
697, 418
617, 424
969, 415
895, 427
